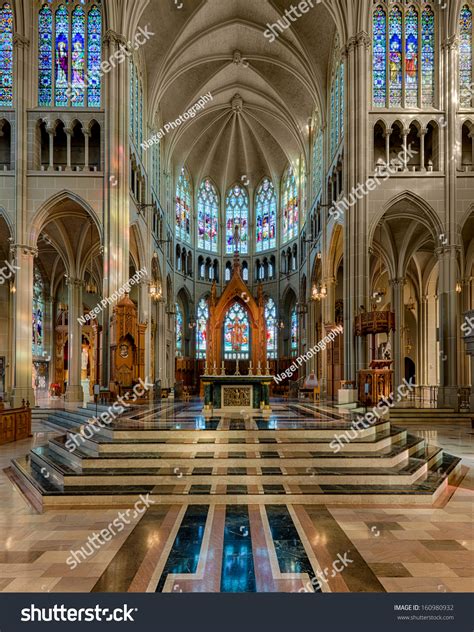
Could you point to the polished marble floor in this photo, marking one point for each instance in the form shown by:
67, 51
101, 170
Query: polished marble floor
197, 546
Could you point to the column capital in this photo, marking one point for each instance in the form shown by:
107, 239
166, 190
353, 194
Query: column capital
20, 41
400, 282
356, 41
24, 250
71, 281
447, 249
111, 36
450, 43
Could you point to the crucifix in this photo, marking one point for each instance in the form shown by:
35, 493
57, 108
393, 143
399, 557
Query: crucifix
236, 238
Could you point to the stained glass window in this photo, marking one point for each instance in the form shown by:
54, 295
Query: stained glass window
395, 56
131, 99
427, 56
405, 61
155, 169
465, 56
236, 333
379, 60
411, 57
237, 215
45, 56
6, 55
94, 54
61, 77
77, 56
265, 216
66, 38
208, 216
341, 101
303, 184
271, 324
289, 206
201, 328
337, 103
294, 331
183, 207
38, 314
333, 127
179, 331
317, 163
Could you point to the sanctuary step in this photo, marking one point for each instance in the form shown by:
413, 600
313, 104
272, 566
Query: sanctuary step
174, 455
417, 415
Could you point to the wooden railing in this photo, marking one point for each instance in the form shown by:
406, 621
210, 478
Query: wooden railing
15, 423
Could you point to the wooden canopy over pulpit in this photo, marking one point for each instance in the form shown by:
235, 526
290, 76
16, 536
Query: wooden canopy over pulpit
236, 292
127, 345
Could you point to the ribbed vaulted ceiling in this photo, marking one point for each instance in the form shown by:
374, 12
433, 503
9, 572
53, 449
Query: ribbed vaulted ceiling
263, 93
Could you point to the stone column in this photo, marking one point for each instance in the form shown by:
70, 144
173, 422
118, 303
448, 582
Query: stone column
405, 149
144, 314
448, 327
468, 331
87, 135
68, 132
52, 132
449, 332
51, 349
356, 225
22, 310
74, 391
398, 304
423, 341
388, 133
422, 135
116, 196
22, 252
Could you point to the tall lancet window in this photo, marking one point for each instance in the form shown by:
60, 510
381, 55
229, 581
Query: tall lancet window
237, 216
236, 333
317, 163
271, 324
403, 55
179, 331
201, 328
38, 313
183, 207
289, 206
465, 57
265, 216
69, 54
6, 55
208, 216
294, 332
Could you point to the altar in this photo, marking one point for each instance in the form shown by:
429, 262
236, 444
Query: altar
237, 374
236, 393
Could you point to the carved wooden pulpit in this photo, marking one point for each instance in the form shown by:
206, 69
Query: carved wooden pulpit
127, 344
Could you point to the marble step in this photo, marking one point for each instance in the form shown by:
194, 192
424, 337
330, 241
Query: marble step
43, 495
144, 461
65, 473
173, 445
405, 472
124, 429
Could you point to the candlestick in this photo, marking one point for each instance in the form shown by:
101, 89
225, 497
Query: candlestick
259, 368
222, 368
250, 368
